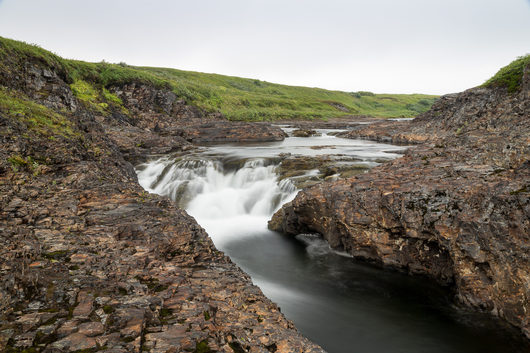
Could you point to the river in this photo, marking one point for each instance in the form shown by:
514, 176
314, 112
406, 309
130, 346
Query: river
232, 190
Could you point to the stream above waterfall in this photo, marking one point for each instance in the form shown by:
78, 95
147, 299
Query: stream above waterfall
232, 190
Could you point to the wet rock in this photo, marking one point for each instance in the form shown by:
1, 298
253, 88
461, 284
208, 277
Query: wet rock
305, 133
343, 122
88, 259
163, 123
305, 171
233, 132
454, 207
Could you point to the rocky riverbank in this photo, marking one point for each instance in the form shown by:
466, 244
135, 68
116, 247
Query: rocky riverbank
456, 207
88, 260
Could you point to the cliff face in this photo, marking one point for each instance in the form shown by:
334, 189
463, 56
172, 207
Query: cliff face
90, 261
456, 207
159, 122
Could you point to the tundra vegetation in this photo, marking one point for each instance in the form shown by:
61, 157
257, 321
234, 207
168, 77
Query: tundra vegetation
236, 98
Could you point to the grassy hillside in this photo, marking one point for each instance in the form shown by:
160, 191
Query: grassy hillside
511, 75
237, 98
241, 98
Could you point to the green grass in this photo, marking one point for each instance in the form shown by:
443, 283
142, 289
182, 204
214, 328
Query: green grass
202, 347
13, 48
37, 118
91, 96
18, 162
510, 76
248, 99
237, 98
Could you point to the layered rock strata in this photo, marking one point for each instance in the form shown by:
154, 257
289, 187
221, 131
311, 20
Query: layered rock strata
456, 207
88, 260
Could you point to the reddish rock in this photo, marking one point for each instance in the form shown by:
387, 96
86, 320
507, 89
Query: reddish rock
68, 328
91, 329
85, 306
108, 250
166, 340
75, 342
37, 264
29, 321
456, 207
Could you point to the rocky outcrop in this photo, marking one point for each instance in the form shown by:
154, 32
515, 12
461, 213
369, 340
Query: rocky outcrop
305, 133
160, 112
456, 207
305, 171
88, 260
385, 131
236, 131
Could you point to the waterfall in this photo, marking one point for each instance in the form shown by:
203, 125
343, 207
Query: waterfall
233, 189
228, 203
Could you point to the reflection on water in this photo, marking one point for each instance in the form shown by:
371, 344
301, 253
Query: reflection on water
326, 143
232, 191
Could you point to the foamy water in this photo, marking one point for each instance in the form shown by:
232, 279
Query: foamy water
233, 190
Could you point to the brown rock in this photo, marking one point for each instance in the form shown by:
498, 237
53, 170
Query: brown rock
164, 341
85, 306
68, 328
75, 342
305, 133
91, 329
5, 335
97, 234
455, 207
25, 340
29, 321
80, 258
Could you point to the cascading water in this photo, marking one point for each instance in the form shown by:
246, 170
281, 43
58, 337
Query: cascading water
220, 199
232, 191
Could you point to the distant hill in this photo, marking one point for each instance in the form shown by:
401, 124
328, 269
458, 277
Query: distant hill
236, 98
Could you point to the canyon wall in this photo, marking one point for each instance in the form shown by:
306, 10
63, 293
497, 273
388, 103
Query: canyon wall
88, 260
455, 207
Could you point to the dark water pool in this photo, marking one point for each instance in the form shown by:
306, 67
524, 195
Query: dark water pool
340, 304
349, 307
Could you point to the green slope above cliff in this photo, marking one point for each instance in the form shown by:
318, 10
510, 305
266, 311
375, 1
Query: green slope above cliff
237, 98
510, 76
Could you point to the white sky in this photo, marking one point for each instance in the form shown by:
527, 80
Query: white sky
422, 46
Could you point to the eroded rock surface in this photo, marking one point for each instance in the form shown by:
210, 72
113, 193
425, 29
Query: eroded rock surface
305, 171
89, 261
456, 207
158, 122
305, 133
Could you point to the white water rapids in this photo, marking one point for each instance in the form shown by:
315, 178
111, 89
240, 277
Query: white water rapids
232, 191
228, 204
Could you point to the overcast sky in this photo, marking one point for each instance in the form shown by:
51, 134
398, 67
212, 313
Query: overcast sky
390, 46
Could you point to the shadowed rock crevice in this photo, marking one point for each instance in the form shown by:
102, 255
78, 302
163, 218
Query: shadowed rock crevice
455, 207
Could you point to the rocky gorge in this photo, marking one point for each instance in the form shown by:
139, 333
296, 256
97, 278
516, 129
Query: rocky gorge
92, 262
456, 207
89, 260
